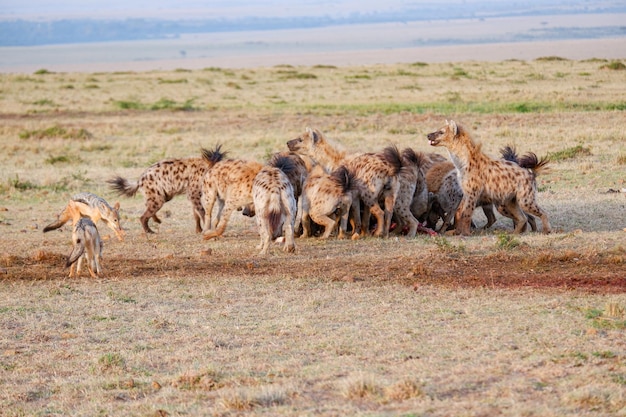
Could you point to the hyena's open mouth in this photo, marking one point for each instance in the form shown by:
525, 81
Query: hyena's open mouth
433, 138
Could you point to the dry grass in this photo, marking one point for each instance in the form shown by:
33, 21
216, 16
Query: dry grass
487, 325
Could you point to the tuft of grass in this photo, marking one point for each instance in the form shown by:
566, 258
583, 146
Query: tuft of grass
232, 84
238, 400
445, 246
614, 66
20, 185
404, 390
569, 153
551, 58
111, 362
129, 105
209, 380
361, 388
61, 159
176, 81
56, 131
44, 102
507, 241
294, 75
621, 159
42, 71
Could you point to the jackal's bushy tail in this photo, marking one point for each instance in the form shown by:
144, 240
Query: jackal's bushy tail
77, 252
123, 187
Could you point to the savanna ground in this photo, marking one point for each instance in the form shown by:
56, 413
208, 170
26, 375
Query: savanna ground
492, 324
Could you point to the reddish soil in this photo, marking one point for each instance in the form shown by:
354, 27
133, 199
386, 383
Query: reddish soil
557, 270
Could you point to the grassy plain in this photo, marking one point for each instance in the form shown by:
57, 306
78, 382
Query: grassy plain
493, 324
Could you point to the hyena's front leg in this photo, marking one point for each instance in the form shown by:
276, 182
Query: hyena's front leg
465, 212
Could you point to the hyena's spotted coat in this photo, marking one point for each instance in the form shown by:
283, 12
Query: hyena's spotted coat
229, 184
275, 203
166, 179
327, 199
412, 199
378, 172
500, 182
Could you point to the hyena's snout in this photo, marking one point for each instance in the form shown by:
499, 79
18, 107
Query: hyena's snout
293, 144
433, 138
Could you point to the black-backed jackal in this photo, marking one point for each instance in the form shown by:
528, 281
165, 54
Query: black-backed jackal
87, 247
91, 206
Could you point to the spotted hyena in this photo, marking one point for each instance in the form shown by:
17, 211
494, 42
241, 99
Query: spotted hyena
443, 182
412, 199
229, 184
378, 173
166, 179
503, 183
326, 199
275, 203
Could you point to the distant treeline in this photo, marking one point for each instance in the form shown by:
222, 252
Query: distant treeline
29, 33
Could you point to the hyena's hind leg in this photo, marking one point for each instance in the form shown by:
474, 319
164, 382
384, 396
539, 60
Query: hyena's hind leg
198, 211
532, 208
153, 205
224, 216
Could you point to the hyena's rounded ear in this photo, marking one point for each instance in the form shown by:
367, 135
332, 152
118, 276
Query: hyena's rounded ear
453, 126
316, 135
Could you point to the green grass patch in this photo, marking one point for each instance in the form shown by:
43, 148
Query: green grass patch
291, 74
60, 159
176, 81
56, 131
614, 66
507, 241
42, 71
44, 102
551, 58
569, 153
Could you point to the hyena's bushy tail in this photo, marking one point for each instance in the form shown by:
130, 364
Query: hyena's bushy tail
213, 156
392, 156
344, 178
413, 157
528, 161
509, 154
532, 162
275, 214
123, 187
284, 163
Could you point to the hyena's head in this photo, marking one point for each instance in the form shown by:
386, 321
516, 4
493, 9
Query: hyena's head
305, 143
444, 136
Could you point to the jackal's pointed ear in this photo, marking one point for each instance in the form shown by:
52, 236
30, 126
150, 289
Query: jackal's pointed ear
117, 206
